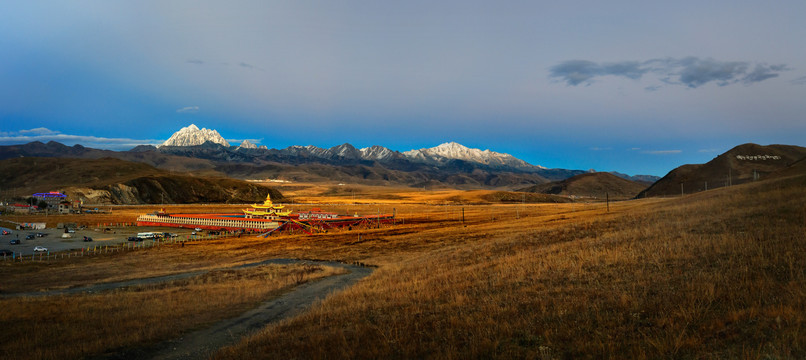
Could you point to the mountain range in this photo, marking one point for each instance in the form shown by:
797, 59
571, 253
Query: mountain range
192, 136
205, 152
453, 165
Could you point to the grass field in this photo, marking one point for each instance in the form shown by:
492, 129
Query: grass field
718, 274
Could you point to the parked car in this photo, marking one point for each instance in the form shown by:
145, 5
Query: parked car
14, 242
6, 252
41, 234
87, 238
29, 236
134, 238
71, 230
40, 249
6, 232
197, 229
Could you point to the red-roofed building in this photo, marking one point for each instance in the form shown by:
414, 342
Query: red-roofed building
22, 208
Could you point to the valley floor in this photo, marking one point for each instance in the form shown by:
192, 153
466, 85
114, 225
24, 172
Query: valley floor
718, 274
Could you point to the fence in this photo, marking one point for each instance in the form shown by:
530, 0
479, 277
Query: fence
106, 249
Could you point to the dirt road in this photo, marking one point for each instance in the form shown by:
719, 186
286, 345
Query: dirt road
203, 343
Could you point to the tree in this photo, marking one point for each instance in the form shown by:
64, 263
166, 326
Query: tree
42, 205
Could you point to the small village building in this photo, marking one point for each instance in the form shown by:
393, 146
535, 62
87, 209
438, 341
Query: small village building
22, 208
65, 207
52, 198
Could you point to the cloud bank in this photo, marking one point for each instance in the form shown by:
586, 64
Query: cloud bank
45, 135
690, 71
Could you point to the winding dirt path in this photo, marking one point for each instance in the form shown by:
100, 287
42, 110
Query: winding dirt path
204, 343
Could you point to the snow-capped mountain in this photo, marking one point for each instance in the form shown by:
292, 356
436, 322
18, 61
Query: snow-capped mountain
439, 155
452, 150
192, 136
246, 145
377, 153
345, 151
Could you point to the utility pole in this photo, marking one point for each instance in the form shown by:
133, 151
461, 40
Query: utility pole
607, 200
681, 189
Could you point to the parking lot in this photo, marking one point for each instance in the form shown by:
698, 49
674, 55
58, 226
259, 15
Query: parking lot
54, 240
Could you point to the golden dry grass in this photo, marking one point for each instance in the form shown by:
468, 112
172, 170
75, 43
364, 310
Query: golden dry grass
719, 274
73, 326
716, 275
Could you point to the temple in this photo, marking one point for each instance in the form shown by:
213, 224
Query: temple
266, 211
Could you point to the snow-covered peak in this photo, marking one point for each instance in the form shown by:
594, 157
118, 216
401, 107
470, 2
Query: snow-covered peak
346, 151
376, 153
192, 136
453, 150
247, 145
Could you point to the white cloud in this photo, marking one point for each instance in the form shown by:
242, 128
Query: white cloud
239, 141
39, 131
45, 135
662, 152
188, 110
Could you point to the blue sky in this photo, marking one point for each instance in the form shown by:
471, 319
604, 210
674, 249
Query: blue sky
632, 86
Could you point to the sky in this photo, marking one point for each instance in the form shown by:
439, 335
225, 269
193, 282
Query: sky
638, 87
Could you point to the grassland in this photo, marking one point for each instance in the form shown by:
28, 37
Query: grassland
718, 274
73, 326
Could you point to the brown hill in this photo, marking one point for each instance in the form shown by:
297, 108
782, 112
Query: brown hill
115, 181
795, 169
594, 185
742, 164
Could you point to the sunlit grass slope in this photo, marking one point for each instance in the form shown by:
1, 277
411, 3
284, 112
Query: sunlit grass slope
716, 275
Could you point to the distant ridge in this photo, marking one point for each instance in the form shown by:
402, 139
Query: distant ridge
743, 163
247, 145
452, 150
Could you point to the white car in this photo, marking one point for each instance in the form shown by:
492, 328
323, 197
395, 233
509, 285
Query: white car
197, 229
40, 249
